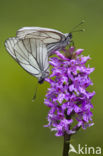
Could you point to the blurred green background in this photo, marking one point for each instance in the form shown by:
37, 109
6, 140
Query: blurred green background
21, 121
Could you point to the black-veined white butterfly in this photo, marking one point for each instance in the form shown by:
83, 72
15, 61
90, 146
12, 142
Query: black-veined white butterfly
53, 39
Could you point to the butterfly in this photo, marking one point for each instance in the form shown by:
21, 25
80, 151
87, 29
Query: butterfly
33, 45
53, 39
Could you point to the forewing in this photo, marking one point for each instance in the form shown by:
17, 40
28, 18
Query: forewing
44, 34
9, 44
31, 54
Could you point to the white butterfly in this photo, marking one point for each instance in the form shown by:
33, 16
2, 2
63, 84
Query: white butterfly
53, 39
31, 54
32, 46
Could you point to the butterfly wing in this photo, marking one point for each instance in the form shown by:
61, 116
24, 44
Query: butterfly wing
31, 54
40, 33
9, 44
50, 37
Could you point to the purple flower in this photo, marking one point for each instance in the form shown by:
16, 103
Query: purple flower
68, 99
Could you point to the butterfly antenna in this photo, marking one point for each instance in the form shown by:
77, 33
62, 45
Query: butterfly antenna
73, 29
34, 97
80, 30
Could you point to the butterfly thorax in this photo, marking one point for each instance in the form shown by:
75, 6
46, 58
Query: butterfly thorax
65, 40
43, 76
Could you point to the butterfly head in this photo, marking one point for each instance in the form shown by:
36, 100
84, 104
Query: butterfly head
41, 80
68, 38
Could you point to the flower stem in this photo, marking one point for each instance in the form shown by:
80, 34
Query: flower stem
66, 145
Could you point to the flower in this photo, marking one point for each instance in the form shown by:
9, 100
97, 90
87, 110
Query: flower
68, 98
